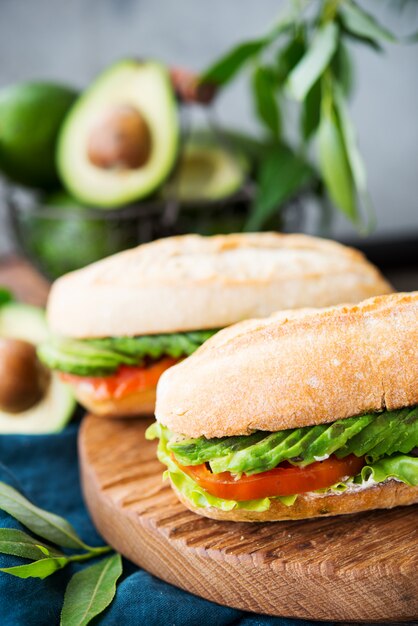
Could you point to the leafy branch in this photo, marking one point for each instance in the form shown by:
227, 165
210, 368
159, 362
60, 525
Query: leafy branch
90, 590
304, 58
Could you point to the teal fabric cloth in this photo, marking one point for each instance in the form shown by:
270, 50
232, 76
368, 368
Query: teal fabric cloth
45, 469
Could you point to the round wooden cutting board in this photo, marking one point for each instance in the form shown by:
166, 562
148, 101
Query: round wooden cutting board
349, 568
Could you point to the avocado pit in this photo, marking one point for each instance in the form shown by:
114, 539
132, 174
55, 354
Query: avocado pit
121, 140
23, 378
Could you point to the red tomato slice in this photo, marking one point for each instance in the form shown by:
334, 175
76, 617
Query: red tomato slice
127, 380
284, 480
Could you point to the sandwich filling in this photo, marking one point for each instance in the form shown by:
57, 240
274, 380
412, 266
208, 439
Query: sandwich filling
116, 367
248, 471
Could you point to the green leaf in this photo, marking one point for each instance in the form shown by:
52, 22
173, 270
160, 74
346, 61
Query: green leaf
227, 66
349, 136
18, 543
265, 98
333, 161
5, 296
371, 43
354, 157
38, 569
311, 111
288, 57
357, 21
343, 69
90, 591
282, 173
47, 525
44, 550
314, 62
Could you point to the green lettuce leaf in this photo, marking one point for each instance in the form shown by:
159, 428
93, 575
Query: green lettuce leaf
102, 357
374, 434
400, 467
188, 487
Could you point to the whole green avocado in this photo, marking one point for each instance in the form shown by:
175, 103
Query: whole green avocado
67, 238
31, 115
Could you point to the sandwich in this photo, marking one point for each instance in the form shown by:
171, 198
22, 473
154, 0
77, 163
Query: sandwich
303, 414
120, 323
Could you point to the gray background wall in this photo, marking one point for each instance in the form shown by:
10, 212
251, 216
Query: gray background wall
71, 40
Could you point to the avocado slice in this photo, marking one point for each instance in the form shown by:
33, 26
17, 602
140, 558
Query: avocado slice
102, 357
119, 142
30, 118
208, 169
54, 410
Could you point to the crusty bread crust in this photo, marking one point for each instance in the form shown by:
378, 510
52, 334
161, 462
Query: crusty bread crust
296, 368
193, 282
382, 496
133, 405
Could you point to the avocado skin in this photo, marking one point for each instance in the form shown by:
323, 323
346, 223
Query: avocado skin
31, 115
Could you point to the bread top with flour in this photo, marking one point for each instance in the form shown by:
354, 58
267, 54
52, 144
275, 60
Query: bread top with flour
296, 368
192, 282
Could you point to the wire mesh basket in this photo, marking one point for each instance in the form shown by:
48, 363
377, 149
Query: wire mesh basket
59, 239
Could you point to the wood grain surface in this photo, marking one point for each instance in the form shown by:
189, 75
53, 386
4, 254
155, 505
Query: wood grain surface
357, 568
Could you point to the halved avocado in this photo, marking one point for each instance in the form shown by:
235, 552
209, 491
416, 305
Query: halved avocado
119, 142
207, 170
53, 411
